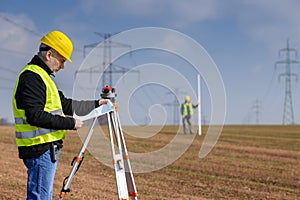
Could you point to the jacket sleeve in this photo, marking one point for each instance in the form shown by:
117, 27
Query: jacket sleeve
181, 109
31, 96
79, 107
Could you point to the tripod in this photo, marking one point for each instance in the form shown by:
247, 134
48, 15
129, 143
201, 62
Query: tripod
125, 184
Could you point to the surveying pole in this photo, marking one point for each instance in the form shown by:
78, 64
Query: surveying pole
125, 184
199, 106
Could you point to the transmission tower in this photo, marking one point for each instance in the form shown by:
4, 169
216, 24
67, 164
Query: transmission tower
256, 108
107, 73
288, 112
175, 105
253, 114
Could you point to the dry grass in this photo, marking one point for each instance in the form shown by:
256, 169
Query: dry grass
248, 162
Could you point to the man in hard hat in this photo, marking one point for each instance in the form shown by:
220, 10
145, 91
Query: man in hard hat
186, 113
42, 113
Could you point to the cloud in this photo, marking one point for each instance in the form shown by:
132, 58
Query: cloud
17, 33
177, 13
17, 44
270, 22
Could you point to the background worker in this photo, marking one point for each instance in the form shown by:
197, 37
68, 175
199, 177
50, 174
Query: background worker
42, 113
186, 113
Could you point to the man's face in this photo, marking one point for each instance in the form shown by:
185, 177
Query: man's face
56, 61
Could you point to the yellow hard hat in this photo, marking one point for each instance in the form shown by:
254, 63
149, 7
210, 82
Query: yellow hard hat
59, 42
187, 98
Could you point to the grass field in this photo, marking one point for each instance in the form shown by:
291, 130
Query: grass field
248, 162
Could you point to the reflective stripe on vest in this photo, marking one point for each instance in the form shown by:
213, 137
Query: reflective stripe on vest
27, 135
20, 120
185, 109
33, 133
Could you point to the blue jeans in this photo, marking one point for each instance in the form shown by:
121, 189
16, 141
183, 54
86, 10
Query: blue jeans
40, 178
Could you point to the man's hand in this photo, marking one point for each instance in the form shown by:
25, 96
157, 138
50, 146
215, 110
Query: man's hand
103, 101
78, 124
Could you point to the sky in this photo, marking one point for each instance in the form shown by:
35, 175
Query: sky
242, 37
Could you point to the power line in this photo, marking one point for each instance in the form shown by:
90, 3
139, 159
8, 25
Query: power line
19, 25
26, 29
256, 108
253, 114
13, 51
175, 105
107, 73
5, 88
8, 70
6, 79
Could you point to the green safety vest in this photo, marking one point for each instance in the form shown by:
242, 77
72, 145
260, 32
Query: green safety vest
185, 109
27, 135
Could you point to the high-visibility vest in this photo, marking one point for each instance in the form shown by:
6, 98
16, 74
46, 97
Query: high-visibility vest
27, 135
185, 109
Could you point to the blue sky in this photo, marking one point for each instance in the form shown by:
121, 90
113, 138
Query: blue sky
242, 37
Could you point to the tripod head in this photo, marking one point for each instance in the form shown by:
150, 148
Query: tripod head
108, 93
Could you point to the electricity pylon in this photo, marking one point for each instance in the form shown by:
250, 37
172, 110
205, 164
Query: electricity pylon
175, 105
256, 108
288, 112
107, 73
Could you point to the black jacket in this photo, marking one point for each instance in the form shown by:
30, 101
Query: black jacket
31, 96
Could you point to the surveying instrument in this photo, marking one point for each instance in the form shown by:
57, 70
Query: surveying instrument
125, 184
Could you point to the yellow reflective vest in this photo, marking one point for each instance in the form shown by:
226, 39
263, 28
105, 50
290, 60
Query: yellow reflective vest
27, 135
185, 109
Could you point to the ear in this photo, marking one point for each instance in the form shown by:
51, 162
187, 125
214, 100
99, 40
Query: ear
48, 55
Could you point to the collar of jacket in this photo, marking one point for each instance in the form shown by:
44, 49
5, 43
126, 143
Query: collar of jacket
39, 62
